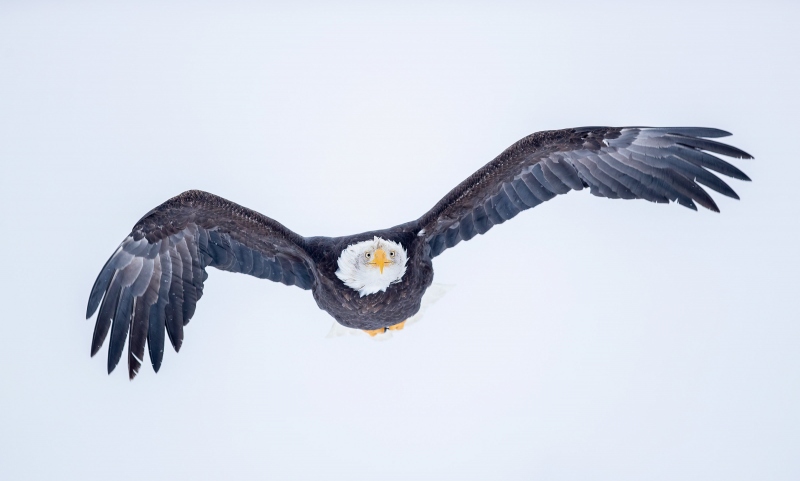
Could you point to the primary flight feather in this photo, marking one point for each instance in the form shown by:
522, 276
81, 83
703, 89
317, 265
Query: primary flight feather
375, 280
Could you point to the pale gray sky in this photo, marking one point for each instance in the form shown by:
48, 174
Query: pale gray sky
585, 339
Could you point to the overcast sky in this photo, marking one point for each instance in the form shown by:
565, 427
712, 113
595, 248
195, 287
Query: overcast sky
585, 339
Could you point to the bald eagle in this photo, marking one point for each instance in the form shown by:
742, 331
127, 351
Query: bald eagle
374, 281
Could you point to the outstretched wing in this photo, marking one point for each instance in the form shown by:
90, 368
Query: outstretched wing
656, 164
155, 278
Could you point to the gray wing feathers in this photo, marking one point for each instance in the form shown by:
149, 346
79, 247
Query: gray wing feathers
152, 283
656, 164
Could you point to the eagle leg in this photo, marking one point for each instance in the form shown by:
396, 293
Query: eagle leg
374, 332
397, 327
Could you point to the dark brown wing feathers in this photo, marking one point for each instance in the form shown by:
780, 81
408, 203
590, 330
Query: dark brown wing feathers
655, 164
152, 283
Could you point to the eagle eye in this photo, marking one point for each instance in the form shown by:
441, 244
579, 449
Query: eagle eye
367, 255
391, 253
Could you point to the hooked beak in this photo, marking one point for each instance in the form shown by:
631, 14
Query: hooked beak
379, 259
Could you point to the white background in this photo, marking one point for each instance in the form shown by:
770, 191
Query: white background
585, 339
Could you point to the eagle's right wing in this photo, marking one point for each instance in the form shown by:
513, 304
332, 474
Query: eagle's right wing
155, 278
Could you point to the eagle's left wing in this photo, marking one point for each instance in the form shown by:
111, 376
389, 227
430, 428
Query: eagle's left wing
657, 164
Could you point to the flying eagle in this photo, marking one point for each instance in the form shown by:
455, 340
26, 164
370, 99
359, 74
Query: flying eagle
374, 281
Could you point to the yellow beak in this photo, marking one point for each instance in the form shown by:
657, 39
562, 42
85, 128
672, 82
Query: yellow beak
379, 259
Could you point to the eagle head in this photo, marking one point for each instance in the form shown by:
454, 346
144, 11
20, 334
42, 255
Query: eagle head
371, 266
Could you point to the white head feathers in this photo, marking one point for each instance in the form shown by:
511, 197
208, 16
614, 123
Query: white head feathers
372, 266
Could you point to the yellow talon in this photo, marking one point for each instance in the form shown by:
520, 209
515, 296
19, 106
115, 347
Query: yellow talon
374, 332
398, 327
